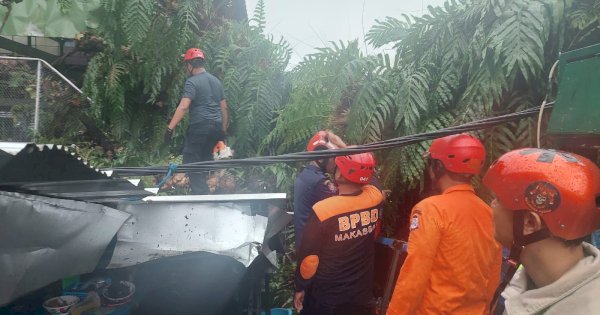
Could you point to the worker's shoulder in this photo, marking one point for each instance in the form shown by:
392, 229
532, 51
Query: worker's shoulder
309, 179
202, 77
311, 173
428, 204
369, 197
211, 77
450, 202
433, 201
454, 196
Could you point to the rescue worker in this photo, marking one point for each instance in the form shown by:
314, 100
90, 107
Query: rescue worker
336, 255
453, 263
204, 99
546, 203
312, 184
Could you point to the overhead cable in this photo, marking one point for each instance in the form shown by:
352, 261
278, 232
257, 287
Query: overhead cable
308, 156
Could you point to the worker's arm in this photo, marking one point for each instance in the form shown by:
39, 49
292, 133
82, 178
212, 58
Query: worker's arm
224, 114
182, 109
308, 257
335, 139
423, 242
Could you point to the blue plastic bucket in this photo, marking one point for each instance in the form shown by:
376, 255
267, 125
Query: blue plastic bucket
279, 311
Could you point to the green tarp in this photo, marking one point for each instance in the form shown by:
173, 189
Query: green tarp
47, 18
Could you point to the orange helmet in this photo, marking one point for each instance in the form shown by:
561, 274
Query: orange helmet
563, 188
319, 142
193, 53
462, 153
357, 168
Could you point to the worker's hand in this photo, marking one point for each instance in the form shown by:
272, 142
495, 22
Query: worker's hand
298, 300
168, 135
335, 139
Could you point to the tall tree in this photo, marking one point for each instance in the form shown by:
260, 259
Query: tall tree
135, 83
466, 60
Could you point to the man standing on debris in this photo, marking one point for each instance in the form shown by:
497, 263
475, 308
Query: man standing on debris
546, 203
336, 255
453, 262
204, 99
312, 184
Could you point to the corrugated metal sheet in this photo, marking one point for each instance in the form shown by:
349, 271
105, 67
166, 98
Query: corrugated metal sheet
44, 239
52, 170
49, 238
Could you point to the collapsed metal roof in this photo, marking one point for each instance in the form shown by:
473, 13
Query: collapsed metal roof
54, 171
45, 236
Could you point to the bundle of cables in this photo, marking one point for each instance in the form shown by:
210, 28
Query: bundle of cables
308, 156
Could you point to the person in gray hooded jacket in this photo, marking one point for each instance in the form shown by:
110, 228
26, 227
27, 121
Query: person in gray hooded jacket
546, 204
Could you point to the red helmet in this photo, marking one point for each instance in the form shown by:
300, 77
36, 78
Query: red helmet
563, 188
193, 53
462, 153
319, 142
357, 168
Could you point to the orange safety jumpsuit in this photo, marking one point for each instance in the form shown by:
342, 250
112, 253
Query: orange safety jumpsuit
453, 263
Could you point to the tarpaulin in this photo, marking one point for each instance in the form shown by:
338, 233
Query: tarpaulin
49, 19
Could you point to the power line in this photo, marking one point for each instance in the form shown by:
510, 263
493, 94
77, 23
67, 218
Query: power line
309, 156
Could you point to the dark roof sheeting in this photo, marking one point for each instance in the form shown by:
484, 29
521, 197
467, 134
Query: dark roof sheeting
51, 170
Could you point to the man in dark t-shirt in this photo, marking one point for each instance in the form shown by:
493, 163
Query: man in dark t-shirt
204, 99
312, 184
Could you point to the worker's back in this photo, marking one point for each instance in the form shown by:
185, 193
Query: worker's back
453, 265
310, 187
339, 237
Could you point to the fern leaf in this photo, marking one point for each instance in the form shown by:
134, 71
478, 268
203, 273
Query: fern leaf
137, 18
260, 17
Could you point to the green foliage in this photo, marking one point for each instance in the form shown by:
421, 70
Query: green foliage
466, 60
8, 3
325, 82
136, 26
251, 67
65, 5
463, 61
136, 81
389, 30
282, 283
260, 17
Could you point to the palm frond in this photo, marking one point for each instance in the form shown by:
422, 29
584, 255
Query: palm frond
389, 30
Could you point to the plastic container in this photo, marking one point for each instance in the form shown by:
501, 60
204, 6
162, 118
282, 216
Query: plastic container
60, 304
279, 311
126, 288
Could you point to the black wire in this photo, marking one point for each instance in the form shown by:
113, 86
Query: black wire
308, 156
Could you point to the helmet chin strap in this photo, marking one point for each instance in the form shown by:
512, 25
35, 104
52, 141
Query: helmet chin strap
514, 258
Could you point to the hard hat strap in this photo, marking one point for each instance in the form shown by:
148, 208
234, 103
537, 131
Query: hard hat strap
514, 258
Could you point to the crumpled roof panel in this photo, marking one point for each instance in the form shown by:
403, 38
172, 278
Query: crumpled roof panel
51, 170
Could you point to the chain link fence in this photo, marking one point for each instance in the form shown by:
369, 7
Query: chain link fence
36, 101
